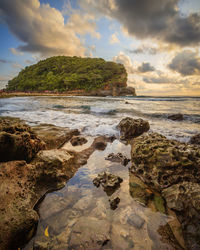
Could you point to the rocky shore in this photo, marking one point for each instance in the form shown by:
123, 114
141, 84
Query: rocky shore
164, 175
32, 163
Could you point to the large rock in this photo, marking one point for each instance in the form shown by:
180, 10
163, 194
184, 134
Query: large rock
162, 162
195, 139
130, 128
18, 141
21, 186
172, 168
54, 136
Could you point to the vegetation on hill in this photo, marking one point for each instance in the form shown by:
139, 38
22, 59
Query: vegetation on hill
62, 73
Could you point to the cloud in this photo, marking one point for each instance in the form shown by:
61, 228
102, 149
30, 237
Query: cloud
145, 67
186, 62
163, 80
144, 49
114, 39
3, 61
16, 65
157, 19
42, 29
126, 61
16, 52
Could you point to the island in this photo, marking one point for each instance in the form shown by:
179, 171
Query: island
73, 75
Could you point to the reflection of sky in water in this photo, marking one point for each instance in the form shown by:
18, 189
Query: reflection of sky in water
80, 200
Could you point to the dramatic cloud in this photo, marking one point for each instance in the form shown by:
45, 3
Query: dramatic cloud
126, 61
186, 62
114, 39
42, 29
131, 68
157, 19
145, 67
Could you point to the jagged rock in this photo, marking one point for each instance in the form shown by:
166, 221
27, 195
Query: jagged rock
175, 117
172, 168
18, 141
54, 136
89, 233
119, 157
195, 139
109, 182
114, 202
161, 162
78, 140
130, 128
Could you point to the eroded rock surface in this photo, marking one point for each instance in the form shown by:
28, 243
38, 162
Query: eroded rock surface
18, 141
173, 168
78, 140
130, 128
119, 157
109, 182
195, 139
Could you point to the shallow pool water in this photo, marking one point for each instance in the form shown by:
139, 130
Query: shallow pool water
79, 216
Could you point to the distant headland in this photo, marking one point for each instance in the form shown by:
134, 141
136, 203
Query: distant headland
71, 76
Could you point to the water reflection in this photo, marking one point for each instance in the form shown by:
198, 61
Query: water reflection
79, 216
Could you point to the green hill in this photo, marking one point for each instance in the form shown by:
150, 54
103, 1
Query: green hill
65, 74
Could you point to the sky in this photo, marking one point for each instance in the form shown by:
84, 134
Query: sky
158, 41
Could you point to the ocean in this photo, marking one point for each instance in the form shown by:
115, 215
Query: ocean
100, 115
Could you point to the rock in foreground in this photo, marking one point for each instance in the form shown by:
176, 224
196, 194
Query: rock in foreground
130, 128
173, 168
18, 141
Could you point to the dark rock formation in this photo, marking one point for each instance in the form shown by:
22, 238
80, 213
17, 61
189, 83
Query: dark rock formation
175, 117
78, 140
195, 139
109, 182
114, 202
173, 168
18, 141
119, 157
54, 136
130, 128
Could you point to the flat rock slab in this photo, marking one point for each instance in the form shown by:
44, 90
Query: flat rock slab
89, 233
54, 136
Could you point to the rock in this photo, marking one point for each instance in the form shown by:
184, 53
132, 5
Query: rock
100, 145
161, 162
135, 220
89, 233
118, 158
54, 136
173, 168
175, 117
18, 141
78, 140
109, 182
130, 128
195, 139
138, 190
114, 203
